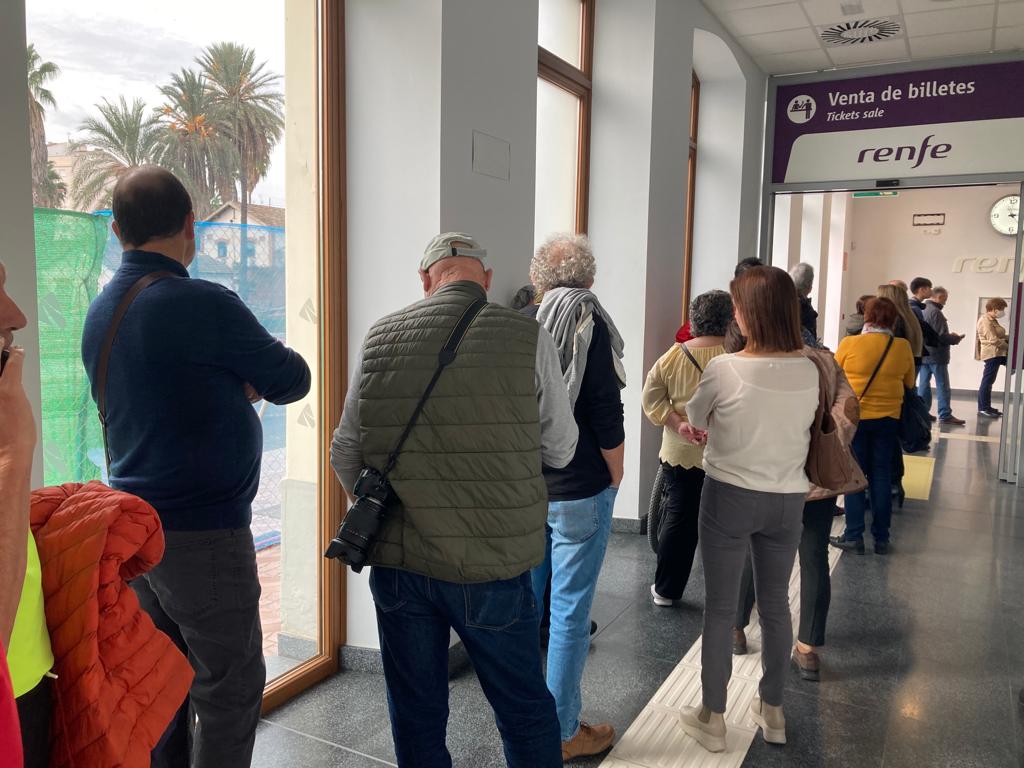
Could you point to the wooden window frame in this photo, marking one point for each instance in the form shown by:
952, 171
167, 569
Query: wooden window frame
578, 81
691, 188
333, 376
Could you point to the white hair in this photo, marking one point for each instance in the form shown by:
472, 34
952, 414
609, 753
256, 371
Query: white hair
563, 261
803, 278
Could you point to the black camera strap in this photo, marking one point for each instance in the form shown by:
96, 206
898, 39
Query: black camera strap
444, 358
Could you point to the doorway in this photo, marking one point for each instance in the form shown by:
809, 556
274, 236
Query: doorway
962, 238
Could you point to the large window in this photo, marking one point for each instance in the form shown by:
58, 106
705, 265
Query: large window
565, 65
691, 188
245, 106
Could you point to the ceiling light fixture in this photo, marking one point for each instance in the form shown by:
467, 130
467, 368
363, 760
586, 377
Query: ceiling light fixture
859, 32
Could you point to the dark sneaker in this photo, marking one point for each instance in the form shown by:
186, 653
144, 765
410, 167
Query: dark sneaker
881, 547
932, 418
953, 420
808, 664
847, 545
739, 642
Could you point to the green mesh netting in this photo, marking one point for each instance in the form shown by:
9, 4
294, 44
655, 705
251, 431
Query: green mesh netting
69, 256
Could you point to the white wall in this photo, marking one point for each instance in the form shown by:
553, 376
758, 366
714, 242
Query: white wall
886, 246
644, 54
18, 251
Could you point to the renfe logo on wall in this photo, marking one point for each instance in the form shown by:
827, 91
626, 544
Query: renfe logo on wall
944, 122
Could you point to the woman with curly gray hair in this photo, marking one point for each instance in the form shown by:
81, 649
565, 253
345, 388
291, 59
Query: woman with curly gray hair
670, 383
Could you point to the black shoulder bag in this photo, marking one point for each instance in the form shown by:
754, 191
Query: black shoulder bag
878, 367
108, 344
692, 359
358, 532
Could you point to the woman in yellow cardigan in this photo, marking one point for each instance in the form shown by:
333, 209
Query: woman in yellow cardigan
879, 367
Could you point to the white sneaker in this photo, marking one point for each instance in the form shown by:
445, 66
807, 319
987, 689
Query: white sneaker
770, 719
710, 734
659, 600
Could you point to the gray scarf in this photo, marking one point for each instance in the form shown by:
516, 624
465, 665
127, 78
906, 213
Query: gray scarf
567, 314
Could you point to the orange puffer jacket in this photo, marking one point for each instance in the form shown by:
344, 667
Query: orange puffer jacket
119, 679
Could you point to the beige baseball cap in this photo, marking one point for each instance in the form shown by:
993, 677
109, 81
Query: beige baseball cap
451, 244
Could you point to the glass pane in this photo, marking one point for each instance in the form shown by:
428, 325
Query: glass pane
104, 76
559, 28
558, 135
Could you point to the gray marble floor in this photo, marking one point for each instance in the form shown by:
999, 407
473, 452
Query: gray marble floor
924, 663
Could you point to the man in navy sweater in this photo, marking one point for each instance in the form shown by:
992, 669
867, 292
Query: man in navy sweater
188, 360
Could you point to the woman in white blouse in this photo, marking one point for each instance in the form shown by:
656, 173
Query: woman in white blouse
754, 409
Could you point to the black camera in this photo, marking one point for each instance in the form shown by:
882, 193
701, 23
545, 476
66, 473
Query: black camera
359, 530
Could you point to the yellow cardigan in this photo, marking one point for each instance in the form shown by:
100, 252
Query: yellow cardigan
858, 356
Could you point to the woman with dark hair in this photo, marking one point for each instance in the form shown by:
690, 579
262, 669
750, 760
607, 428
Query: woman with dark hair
670, 384
991, 347
879, 367
754, 409
855, 322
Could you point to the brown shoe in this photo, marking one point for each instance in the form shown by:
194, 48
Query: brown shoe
589, 740
808, 664
952, 420
739, 642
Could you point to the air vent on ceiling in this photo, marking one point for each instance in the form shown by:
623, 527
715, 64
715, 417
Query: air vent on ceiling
859, 32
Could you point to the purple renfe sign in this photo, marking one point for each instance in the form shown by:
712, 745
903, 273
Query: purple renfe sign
940, 122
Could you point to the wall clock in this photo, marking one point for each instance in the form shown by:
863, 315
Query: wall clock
1004, 215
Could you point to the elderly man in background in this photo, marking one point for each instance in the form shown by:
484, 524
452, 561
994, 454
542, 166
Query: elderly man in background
936, 358
582, 494
468, 525
803, 279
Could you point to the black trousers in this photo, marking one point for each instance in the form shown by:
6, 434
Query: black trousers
988, 378
35, 709
815, 581
677, 545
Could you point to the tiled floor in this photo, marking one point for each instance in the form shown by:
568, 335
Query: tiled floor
923, 667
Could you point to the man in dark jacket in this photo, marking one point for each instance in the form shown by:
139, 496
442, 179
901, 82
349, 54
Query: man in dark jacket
189, 359
582, 495
921, 290
457, 549
936, 358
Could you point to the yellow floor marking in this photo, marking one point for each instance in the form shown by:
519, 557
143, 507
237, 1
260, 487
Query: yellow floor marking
917, 476
962, 436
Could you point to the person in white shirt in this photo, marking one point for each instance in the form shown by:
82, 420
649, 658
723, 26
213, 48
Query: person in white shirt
754, 410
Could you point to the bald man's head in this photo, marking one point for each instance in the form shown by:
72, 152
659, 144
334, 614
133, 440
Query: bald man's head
151, 204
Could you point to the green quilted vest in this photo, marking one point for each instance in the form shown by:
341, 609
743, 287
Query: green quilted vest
473, 498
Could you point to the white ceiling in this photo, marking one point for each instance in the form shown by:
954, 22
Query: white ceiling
784, 37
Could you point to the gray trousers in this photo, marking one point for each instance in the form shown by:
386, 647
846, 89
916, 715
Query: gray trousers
205, 595
733, 520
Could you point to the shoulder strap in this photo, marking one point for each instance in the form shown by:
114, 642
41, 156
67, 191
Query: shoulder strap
108, 344
693, 359
444, 358
877, 368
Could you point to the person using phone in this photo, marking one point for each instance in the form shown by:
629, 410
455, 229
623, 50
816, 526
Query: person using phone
23, 630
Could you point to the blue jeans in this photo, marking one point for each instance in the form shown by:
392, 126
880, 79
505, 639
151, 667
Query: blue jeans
873, 445
988, 378
498, 624
941, 373
577, 539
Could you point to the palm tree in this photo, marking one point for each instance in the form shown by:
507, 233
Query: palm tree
124, 137
52, 192
252, 110
39, 98
193, 143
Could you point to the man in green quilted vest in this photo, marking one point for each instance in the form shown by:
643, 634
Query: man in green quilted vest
457, 549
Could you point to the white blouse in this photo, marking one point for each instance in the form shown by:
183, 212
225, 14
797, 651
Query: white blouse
758, 413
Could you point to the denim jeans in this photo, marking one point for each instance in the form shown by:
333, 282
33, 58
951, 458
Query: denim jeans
873, 447
205, 595
988, 378
941, 373
498, 624
577, 539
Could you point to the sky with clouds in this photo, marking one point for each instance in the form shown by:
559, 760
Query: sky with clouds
130, 47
